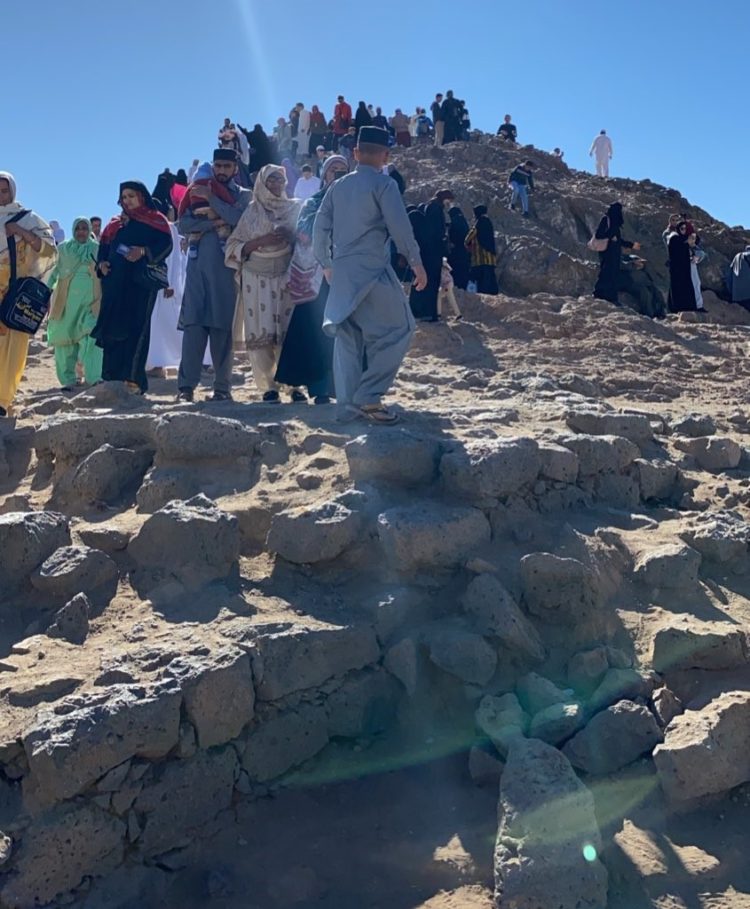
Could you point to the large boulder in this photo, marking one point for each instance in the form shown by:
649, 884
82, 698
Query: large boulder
489, 470
548, 840
26, 540
70, 438
706, 751
200, 437
219, 697
58, 851
614, 738
496, 613
300, 657
316, 533
712, 453
674, 566
184, 798
601, 454
74, 742
635, 427
722, 538
393, 456
107, 472
283, 740
558, 589
77, 569
429, 535
618, 685
692, 644
658, 479
463, 654
558, 463
194, 542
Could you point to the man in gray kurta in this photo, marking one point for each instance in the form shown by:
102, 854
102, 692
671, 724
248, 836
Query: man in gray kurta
210, 295
367, 311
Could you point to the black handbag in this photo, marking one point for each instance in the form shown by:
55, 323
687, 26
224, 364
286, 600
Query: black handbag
152, 275
26, 303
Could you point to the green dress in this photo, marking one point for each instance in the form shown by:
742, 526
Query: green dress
74, 310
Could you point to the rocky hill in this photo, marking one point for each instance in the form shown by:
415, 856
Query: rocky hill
547, 253
251, 658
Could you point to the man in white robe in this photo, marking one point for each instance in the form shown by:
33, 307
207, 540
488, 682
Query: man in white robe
165, 348
601, 149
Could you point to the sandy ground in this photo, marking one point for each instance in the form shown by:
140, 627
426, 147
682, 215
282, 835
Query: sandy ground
399, 825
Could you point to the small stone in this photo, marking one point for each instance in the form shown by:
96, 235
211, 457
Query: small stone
72, 621
674, 566
666, 706
557, 723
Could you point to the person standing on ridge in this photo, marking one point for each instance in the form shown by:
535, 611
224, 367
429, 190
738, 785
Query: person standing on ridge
342, 119
367, 311
601, 149
436, 109
507, 130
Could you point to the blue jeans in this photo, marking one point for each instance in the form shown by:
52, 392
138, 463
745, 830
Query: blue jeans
520, 191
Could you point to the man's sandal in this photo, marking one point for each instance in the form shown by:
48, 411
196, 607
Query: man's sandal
377, 413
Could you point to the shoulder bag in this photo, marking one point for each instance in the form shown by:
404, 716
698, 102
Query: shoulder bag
26, 302
598, 244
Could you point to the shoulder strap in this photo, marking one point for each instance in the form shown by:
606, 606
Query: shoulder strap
12, 247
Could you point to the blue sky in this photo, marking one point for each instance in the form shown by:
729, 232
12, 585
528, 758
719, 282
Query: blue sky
105, 91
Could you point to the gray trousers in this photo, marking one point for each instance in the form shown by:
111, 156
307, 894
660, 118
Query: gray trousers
194, 339
378, 332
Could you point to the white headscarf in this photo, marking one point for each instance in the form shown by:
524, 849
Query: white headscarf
31, 222
263, 215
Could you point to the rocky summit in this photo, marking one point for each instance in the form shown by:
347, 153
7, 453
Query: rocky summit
494, 657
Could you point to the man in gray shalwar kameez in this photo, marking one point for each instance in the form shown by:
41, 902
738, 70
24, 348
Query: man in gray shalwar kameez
367, 311
210, 294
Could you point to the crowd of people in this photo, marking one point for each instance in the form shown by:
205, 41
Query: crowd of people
296, 249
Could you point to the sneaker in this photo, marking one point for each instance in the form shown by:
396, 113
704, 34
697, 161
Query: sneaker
526, 214
3, 412
512, 207
221, 396
271, 397
186, 395
298, 397
323, 399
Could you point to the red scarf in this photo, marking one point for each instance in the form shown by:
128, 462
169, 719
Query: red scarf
217, 189
145, 215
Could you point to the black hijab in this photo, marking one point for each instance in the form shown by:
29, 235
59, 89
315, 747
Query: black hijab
485, 230
614, 213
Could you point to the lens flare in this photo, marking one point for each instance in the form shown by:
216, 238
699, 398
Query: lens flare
589, 852
264, 78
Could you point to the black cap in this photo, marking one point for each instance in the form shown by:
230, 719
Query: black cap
225, 154
373, 135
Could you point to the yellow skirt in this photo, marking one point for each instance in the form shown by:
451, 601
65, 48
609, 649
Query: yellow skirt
14, 347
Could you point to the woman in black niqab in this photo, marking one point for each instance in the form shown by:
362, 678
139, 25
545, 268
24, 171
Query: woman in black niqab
610, 228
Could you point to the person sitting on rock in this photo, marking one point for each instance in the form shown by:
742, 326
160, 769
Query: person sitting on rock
521, 182
507, 130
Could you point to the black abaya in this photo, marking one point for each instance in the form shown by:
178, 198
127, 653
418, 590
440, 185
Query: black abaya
307, 354
608, 282
123, 329
431, 240
681, 289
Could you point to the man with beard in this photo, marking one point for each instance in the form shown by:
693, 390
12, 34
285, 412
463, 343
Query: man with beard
209, 211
